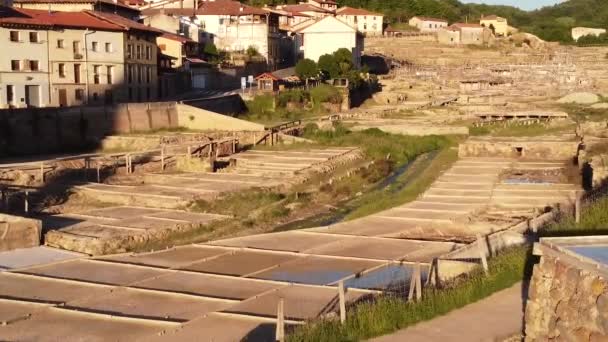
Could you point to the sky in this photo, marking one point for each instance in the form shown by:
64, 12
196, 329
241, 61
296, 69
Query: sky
523, 4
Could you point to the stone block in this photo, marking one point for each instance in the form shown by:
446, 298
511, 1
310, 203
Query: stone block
18, 232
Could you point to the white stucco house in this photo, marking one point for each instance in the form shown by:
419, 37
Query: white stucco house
427, 24
324, 36
367, 22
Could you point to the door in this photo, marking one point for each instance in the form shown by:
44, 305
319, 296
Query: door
32, 95
63, 98
109, 99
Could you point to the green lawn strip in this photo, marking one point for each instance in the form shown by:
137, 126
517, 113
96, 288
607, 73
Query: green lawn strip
417, 179
594, 221
389, 314
513, 130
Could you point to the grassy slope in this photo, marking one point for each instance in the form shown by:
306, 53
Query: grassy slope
391, 314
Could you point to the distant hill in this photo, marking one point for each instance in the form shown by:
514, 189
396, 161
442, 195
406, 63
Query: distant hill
552, 23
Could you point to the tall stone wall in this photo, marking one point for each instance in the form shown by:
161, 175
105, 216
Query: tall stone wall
48, 130
517, 148
566, 303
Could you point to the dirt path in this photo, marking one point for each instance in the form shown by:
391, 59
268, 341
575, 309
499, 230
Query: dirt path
495, 318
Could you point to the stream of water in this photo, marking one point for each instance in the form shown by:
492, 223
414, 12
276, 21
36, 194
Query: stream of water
389, 183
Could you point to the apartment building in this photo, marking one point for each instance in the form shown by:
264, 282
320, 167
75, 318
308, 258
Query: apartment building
175, 20
177, 46
24, 63
367, 22
140, 57
235, 27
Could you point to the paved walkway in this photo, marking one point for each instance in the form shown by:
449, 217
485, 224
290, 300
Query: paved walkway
493, 319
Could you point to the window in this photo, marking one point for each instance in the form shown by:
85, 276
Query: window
148, 53
95, 46
139, 73
129, 51
130, 94
95, 97
79, 94
148, 74
10, 93
76, 46
60, 44
110, 74
138, 51
14, 36
76, 73
96, 75
15, 65
130, 73
33, 37
148, 93
61, 70
109, 47
34, 65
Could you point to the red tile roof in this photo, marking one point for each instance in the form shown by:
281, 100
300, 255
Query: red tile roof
430, 19
304, 8
355, 11
20, 16
176, 37
228, 7
119, 4
461, 25
126, 24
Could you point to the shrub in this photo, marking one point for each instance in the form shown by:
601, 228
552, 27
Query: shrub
252, 51
325, 93
307, 69
262, 105
293, 96
328, 65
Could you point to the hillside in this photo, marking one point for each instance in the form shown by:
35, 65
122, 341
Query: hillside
552, 23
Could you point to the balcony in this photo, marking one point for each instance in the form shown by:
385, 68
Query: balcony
78, 56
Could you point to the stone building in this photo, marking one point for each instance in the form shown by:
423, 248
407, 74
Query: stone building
427, 24
465, 34
368, 23
175, 20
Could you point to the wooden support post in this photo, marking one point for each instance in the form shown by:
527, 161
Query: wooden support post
127, 163
98, 172
280, 330
26, 205
255, 140
42, 172
189, 152
86, 169
418, 282
233, 143
577, 208
342, 299
482, 253
4, 200
162, 159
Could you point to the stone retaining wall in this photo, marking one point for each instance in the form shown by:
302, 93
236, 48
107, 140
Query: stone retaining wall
18, 232
516, 148
566, 303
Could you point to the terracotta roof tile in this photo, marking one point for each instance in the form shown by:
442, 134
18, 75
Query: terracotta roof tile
304, 8
176, 37
54, 19
430, 19
127, 24
355, 11
228, 7
119, 4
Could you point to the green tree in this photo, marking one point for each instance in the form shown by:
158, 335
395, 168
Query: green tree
307, 69
344, 60
329, 66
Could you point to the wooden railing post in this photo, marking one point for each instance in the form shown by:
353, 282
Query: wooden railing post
280, 329
342, 299
482, 253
